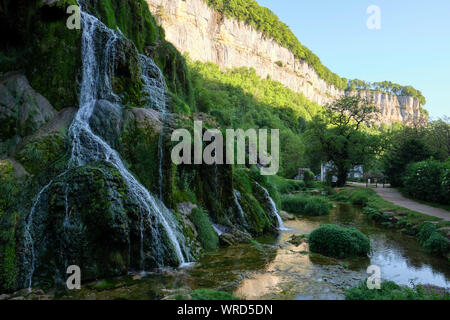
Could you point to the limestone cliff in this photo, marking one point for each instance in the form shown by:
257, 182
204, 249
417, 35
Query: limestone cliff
195, 28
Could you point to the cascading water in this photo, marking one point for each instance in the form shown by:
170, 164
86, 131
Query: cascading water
154, 86
273, 207
88, 147
237, 196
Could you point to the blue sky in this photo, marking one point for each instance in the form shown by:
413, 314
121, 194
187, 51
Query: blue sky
411, 48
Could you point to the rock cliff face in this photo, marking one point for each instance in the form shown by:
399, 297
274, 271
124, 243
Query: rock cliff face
193, 27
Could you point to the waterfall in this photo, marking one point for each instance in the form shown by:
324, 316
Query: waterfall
217, 229
154, 86
273, 208
237, 197
88, 147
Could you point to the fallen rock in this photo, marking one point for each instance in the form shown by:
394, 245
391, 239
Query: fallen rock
298, 240
22, 110
286, 216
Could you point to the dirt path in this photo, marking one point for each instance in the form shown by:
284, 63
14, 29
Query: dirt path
394, 196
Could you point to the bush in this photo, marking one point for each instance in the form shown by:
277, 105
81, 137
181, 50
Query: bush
309, 205
206, 234
391, 291
437, 244
335, 241
428, 180
360, 198
425, 232
285, 186
433, 241
308, 177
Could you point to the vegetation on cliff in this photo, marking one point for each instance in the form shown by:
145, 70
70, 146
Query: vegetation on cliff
265, 21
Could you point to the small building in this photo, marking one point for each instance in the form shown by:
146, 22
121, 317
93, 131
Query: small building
356, 172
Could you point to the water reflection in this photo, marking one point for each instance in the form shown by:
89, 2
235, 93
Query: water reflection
294, 274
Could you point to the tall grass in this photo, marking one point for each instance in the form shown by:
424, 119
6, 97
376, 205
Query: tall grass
303, 204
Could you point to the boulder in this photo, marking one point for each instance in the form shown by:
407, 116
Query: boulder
22, 110
286, 216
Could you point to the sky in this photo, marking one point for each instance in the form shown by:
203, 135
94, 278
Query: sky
412, 47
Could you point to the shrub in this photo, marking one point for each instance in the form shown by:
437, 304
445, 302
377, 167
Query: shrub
428, 181
308, 177
425, 232
309, 205
391, 291
360, 198
206, 234
437, 244
433, 241
335, 241
285, 186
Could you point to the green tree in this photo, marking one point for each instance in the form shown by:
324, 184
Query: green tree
406, 146
338, 135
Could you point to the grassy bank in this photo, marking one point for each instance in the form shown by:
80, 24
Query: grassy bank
391, 291
429, 231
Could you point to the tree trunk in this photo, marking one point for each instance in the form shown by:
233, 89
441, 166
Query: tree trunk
342, 176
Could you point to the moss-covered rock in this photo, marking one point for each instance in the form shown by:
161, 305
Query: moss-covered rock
206, 234
9, 189
37, 40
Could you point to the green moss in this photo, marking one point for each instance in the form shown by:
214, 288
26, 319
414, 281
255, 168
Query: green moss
206, 234
335, 241
9, 189
208, 294
41, 153
38, 34
140, 150
132, 17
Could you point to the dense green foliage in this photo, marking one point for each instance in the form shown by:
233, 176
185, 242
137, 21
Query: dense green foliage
9, 189
335, 241
208, 294
388, 87
283, 185
360, 197
432, 240
35, 39
206, 234
303, 204
391, 291
238, 98
404, 145
428, 180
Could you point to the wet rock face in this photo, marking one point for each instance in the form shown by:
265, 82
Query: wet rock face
207, 36
106, 122
22, 110
88, 218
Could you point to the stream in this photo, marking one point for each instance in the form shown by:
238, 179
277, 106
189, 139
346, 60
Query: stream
273, 268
